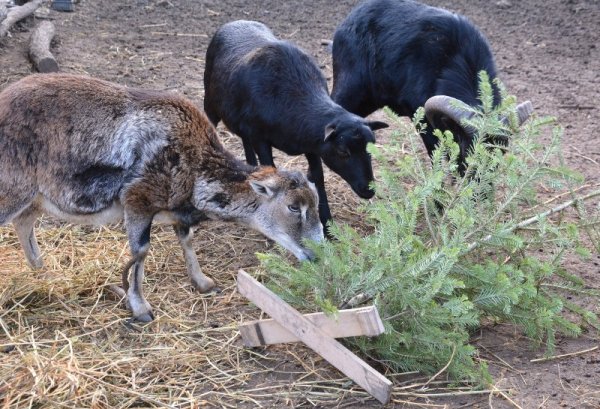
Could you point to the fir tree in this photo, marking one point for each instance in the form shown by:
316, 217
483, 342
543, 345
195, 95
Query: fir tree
448, 251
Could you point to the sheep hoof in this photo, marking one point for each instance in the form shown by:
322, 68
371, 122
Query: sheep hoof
146, 317
205, 285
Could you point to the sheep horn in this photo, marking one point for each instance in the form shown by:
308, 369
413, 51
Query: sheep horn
524, 111
447, 106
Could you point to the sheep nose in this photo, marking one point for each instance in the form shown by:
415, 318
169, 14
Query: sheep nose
365, 192
308, 255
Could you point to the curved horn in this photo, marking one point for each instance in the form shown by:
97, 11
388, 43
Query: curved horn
450, 107
524, 111
439, 105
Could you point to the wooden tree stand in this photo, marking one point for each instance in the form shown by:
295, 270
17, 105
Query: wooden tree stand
317, 331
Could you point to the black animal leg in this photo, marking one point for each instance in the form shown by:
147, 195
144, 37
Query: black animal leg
315, 175
249, 152
265, 153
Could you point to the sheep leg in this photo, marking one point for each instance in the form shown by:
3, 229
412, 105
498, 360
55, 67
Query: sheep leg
315, 175
138, 232
23, 224
198, 279
213, 117
249, 152
265, 153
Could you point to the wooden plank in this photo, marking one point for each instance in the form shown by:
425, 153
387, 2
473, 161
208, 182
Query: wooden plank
363, 321
334, 352
370, 322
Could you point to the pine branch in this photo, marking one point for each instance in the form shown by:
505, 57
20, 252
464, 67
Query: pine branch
532, 176
534, 219
364, 297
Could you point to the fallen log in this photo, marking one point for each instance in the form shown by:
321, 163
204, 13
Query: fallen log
3, 9
16, 14
39, 48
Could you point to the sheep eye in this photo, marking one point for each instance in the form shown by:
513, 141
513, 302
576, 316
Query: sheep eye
294, 209
342, 153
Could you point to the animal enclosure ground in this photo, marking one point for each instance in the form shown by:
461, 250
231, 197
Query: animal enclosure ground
70, 338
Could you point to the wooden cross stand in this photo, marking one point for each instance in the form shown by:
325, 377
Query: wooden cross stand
317, 331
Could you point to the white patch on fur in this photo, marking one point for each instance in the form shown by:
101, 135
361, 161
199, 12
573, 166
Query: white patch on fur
138, 139
165, 217
287, 243
203, 191
113, 214
313, 189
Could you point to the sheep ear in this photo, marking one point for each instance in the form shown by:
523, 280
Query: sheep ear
263, 188
329, 132
375, 125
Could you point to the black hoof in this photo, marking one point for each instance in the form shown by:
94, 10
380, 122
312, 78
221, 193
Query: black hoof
6, 349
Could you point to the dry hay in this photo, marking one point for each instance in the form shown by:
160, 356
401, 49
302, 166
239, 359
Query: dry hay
66, 341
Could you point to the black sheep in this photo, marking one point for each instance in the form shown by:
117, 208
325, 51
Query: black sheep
405, 55
272, 94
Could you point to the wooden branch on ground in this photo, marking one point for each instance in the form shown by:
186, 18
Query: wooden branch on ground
3, 9
549, 358
536, 218
314, 337
16, 14
348, 323
39, 48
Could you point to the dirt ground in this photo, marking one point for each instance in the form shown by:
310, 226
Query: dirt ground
546, 51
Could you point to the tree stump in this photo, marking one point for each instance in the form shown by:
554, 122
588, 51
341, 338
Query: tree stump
16, 14
39, 48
